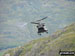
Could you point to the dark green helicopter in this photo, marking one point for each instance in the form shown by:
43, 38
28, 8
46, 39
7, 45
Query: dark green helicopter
40, 26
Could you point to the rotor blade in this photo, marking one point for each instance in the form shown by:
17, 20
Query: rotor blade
21, 24
42, 19
34, 23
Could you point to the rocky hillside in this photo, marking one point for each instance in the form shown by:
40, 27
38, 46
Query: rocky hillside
49, 46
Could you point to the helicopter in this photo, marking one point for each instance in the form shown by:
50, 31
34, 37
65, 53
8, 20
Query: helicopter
40, 26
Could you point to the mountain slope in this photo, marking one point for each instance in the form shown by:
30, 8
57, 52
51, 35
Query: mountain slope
48, 46
16, 15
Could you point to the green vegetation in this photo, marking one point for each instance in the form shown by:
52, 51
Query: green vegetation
2, 52
65, 40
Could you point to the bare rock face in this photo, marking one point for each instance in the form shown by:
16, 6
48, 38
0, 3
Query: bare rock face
7, 54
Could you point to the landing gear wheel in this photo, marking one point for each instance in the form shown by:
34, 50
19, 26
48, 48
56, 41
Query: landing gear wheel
47, 31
